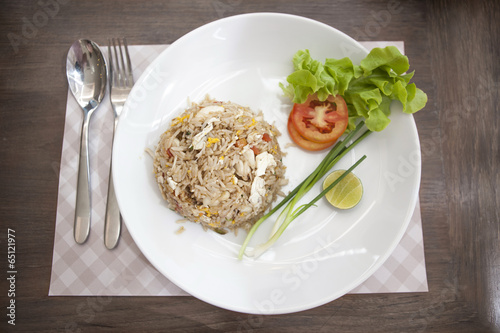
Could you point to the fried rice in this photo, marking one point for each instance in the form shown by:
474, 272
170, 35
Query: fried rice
220, 165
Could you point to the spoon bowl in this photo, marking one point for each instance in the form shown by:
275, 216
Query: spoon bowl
86, 71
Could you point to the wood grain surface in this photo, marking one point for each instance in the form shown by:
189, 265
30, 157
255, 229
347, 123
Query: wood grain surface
452, 46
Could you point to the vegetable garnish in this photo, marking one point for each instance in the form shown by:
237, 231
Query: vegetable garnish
303, 142
289, 214
347, 193
367, 89
320, 121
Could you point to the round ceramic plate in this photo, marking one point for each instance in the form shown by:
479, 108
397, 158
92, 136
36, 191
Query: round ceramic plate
324, 253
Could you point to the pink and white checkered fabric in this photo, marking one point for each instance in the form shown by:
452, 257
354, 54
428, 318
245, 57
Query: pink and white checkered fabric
92, 270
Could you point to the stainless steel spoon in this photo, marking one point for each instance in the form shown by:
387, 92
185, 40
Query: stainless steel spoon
87, 74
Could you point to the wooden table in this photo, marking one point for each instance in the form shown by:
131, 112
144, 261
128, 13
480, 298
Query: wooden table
452, 45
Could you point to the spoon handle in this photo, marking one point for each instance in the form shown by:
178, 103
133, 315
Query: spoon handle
82, 209
113, 221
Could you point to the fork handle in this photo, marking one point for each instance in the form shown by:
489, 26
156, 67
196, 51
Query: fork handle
113, 221
82, 209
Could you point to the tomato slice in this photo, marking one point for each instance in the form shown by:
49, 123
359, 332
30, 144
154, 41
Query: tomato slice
304, 143
321, 122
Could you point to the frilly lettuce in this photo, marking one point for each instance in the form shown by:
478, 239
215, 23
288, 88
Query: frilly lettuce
368, 88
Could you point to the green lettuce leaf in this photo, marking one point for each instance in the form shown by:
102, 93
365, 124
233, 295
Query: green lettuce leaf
388, 59
368, 88
342, 72
416, 99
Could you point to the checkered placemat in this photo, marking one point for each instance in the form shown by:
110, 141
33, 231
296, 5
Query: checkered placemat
92, 270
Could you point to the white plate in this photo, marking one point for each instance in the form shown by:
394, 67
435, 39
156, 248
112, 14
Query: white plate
324, 253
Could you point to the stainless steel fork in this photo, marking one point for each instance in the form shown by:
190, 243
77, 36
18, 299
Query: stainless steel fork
120, 83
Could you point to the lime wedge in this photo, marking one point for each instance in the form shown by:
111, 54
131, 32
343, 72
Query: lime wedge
347, 193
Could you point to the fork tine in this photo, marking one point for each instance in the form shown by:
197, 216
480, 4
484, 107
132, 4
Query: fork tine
111, 65
122, 64
115, 64
129, 64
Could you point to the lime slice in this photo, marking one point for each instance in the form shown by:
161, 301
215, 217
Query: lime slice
347, 193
